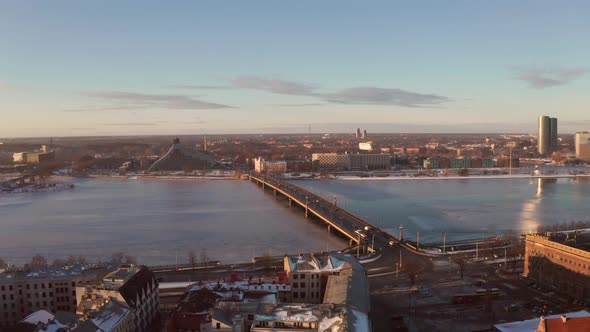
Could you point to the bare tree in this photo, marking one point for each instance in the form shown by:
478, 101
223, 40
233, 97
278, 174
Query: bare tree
192, 258
117, 257
204, 256
38, 262
58, 262
3, 264
82, 260
71, 260
461, 262
130, 259
412, 270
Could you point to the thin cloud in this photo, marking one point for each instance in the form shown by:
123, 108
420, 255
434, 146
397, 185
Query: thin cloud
202, 87
297, 105
355, 95
549, 77
273, 86
128, 124
383, 96
142, 100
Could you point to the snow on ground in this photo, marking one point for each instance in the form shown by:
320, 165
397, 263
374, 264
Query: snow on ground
531, 324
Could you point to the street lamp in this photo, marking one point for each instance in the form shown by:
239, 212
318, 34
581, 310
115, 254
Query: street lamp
335, 200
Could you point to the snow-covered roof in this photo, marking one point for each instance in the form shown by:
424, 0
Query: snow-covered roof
40, 316
112, 314
316, 263
329, 318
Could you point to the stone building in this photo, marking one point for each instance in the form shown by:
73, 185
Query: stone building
22, 293
136, 286
558, 261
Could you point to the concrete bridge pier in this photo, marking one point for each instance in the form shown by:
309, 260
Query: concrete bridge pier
329, 227
306, 209
289, 202
275, 193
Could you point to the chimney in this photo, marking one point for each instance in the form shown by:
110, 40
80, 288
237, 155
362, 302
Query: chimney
564, 318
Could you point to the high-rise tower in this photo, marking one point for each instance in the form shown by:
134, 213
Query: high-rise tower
553, 138
547, 134
583, 145
544, 138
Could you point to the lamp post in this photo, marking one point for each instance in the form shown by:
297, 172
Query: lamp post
306, 205
396, 270
358, 247
335, 200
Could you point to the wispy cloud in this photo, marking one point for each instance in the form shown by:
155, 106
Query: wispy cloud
128, 124
201, 87
549, 77
383, 96
142, 100
298, 105
273, 86
354, 95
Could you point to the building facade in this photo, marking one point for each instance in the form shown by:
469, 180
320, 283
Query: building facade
583, 145
547, 137
558, 264
350, 161
24, 293
181, 158
136, 286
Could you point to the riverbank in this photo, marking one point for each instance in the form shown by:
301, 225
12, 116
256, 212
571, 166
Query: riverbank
148, 177
471, 177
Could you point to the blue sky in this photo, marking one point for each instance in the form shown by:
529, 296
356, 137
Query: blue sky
70, 68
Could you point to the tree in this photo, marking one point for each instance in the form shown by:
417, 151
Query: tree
58, 263
461, 262
412, 270
130, 259
38, 262
117, 257
204, 257
71, 260
192, 258
3, 264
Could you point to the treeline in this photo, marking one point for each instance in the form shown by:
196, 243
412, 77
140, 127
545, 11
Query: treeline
563, 226
40, 262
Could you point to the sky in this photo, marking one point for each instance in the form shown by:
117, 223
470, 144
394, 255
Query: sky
86, 68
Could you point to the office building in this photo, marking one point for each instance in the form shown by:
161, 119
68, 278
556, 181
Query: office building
366, 146
547, 137
270, 167
583, 145
354, 162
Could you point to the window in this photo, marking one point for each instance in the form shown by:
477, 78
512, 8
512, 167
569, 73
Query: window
295, 285
295, 295
302, 285
295, 276
218, 326
302, 294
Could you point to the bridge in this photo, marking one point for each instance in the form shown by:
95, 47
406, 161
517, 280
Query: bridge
350, 226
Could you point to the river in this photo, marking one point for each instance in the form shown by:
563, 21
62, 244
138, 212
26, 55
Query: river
155, 221
460, 209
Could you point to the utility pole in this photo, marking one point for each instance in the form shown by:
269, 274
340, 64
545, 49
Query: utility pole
400, 258
444, 242
476, 249
417, 240
449, 266
358, 247
510, 162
